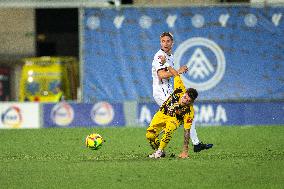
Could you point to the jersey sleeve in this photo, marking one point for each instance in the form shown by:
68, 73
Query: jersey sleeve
157, 63
178, 84
188, 119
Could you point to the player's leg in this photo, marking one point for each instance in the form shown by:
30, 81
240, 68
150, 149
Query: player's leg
171, 125
152, 136
154, 129
160, 99
197, 145
193, 134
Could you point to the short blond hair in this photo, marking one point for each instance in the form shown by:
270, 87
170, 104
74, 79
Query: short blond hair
169, 34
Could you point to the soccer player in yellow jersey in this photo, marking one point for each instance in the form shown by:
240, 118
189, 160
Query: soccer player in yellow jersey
175, 111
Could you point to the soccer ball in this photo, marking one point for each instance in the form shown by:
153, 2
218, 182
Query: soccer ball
94, 141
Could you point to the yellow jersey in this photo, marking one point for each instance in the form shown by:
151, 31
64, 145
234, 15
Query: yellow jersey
173, 108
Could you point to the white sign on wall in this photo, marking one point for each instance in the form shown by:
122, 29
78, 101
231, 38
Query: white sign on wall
19, 115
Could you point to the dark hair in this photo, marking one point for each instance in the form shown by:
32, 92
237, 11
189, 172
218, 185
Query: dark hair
192, 93
167, 34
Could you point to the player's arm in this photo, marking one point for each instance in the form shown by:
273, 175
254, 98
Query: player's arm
188, 119
186, 136
173, 71
164, 74
178, 83
183, 69
159, 64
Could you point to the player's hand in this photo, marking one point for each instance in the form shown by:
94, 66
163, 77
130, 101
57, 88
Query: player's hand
183, 155
183, 69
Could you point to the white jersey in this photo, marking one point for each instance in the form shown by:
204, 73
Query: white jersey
162, 88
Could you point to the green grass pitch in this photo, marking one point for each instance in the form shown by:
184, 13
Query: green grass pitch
242, 157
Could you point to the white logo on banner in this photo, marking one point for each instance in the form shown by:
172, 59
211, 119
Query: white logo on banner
171, 19
199, 65
118, 20
223, 19
93, 22
145, 22
12, 117
62, 114
250, 20
206, 114
276, 19
102, 113
197, 21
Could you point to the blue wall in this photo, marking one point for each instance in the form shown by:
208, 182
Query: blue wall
232, 52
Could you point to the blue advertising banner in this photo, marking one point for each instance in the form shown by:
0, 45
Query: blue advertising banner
233, 52
225, 113
99, 114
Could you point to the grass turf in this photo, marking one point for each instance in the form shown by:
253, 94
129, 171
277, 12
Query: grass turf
242, 157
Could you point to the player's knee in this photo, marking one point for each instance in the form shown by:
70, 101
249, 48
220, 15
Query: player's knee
150, 135
169, 131
170, 128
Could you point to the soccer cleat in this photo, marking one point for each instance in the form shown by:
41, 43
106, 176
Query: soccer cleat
200, 146
157, 154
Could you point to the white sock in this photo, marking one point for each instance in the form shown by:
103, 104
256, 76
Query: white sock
193, 134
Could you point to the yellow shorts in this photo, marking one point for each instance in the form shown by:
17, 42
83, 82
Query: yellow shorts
161, 121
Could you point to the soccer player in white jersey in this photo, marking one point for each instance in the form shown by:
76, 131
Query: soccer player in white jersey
162, 87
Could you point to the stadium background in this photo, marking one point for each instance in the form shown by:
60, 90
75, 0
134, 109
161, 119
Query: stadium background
242, 42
